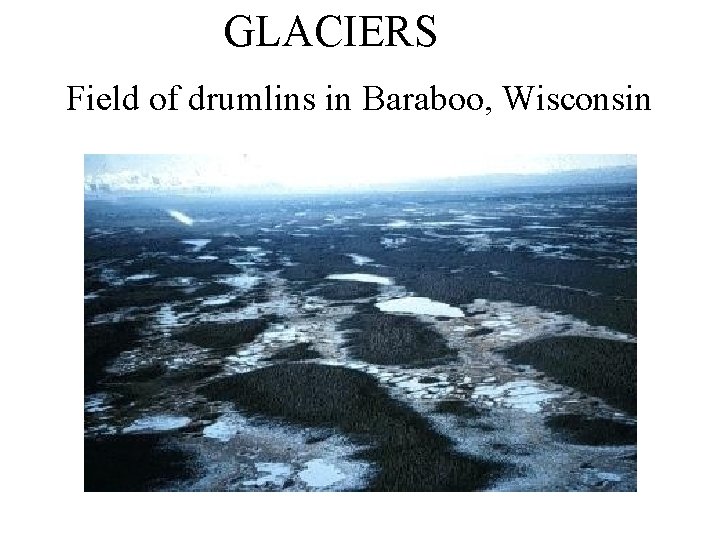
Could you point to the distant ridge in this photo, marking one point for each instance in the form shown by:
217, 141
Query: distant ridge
581, 177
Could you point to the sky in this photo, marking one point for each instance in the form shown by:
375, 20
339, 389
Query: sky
330, 172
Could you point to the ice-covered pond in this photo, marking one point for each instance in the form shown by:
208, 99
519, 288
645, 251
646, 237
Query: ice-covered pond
366, 278
419, 305
319, 473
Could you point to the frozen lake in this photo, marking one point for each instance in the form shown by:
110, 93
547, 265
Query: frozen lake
419, 305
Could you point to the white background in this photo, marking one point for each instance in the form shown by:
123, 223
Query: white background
667, 50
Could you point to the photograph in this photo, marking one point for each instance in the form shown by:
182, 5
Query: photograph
251, 325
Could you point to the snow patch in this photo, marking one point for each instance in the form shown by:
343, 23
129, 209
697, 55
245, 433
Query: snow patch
225, 427
160, 422
276, 473
140, 277
524, 395
244, 282
360, 260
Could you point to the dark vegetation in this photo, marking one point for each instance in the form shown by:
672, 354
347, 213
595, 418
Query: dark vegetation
424, 268
242, 298
220, 336
185, 374
456, 407
464, 287
145, 296
92, 283
132, 296
193, 373
214, 289
103, 343
166, 268
603, 368
431, 262
347, 290
410, 455
296, 353
133, 463
141, 374
382, 338
439, 267
578, 429
480, 332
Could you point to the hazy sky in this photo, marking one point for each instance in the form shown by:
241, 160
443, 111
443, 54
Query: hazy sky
329, 171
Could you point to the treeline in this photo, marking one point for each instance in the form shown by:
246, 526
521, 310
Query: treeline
443, 270
464, 287
295, 353
104, 343
386, 339
132, 296
134, 463
221, 336
346, 290
409, 454
603, 368
579, 429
